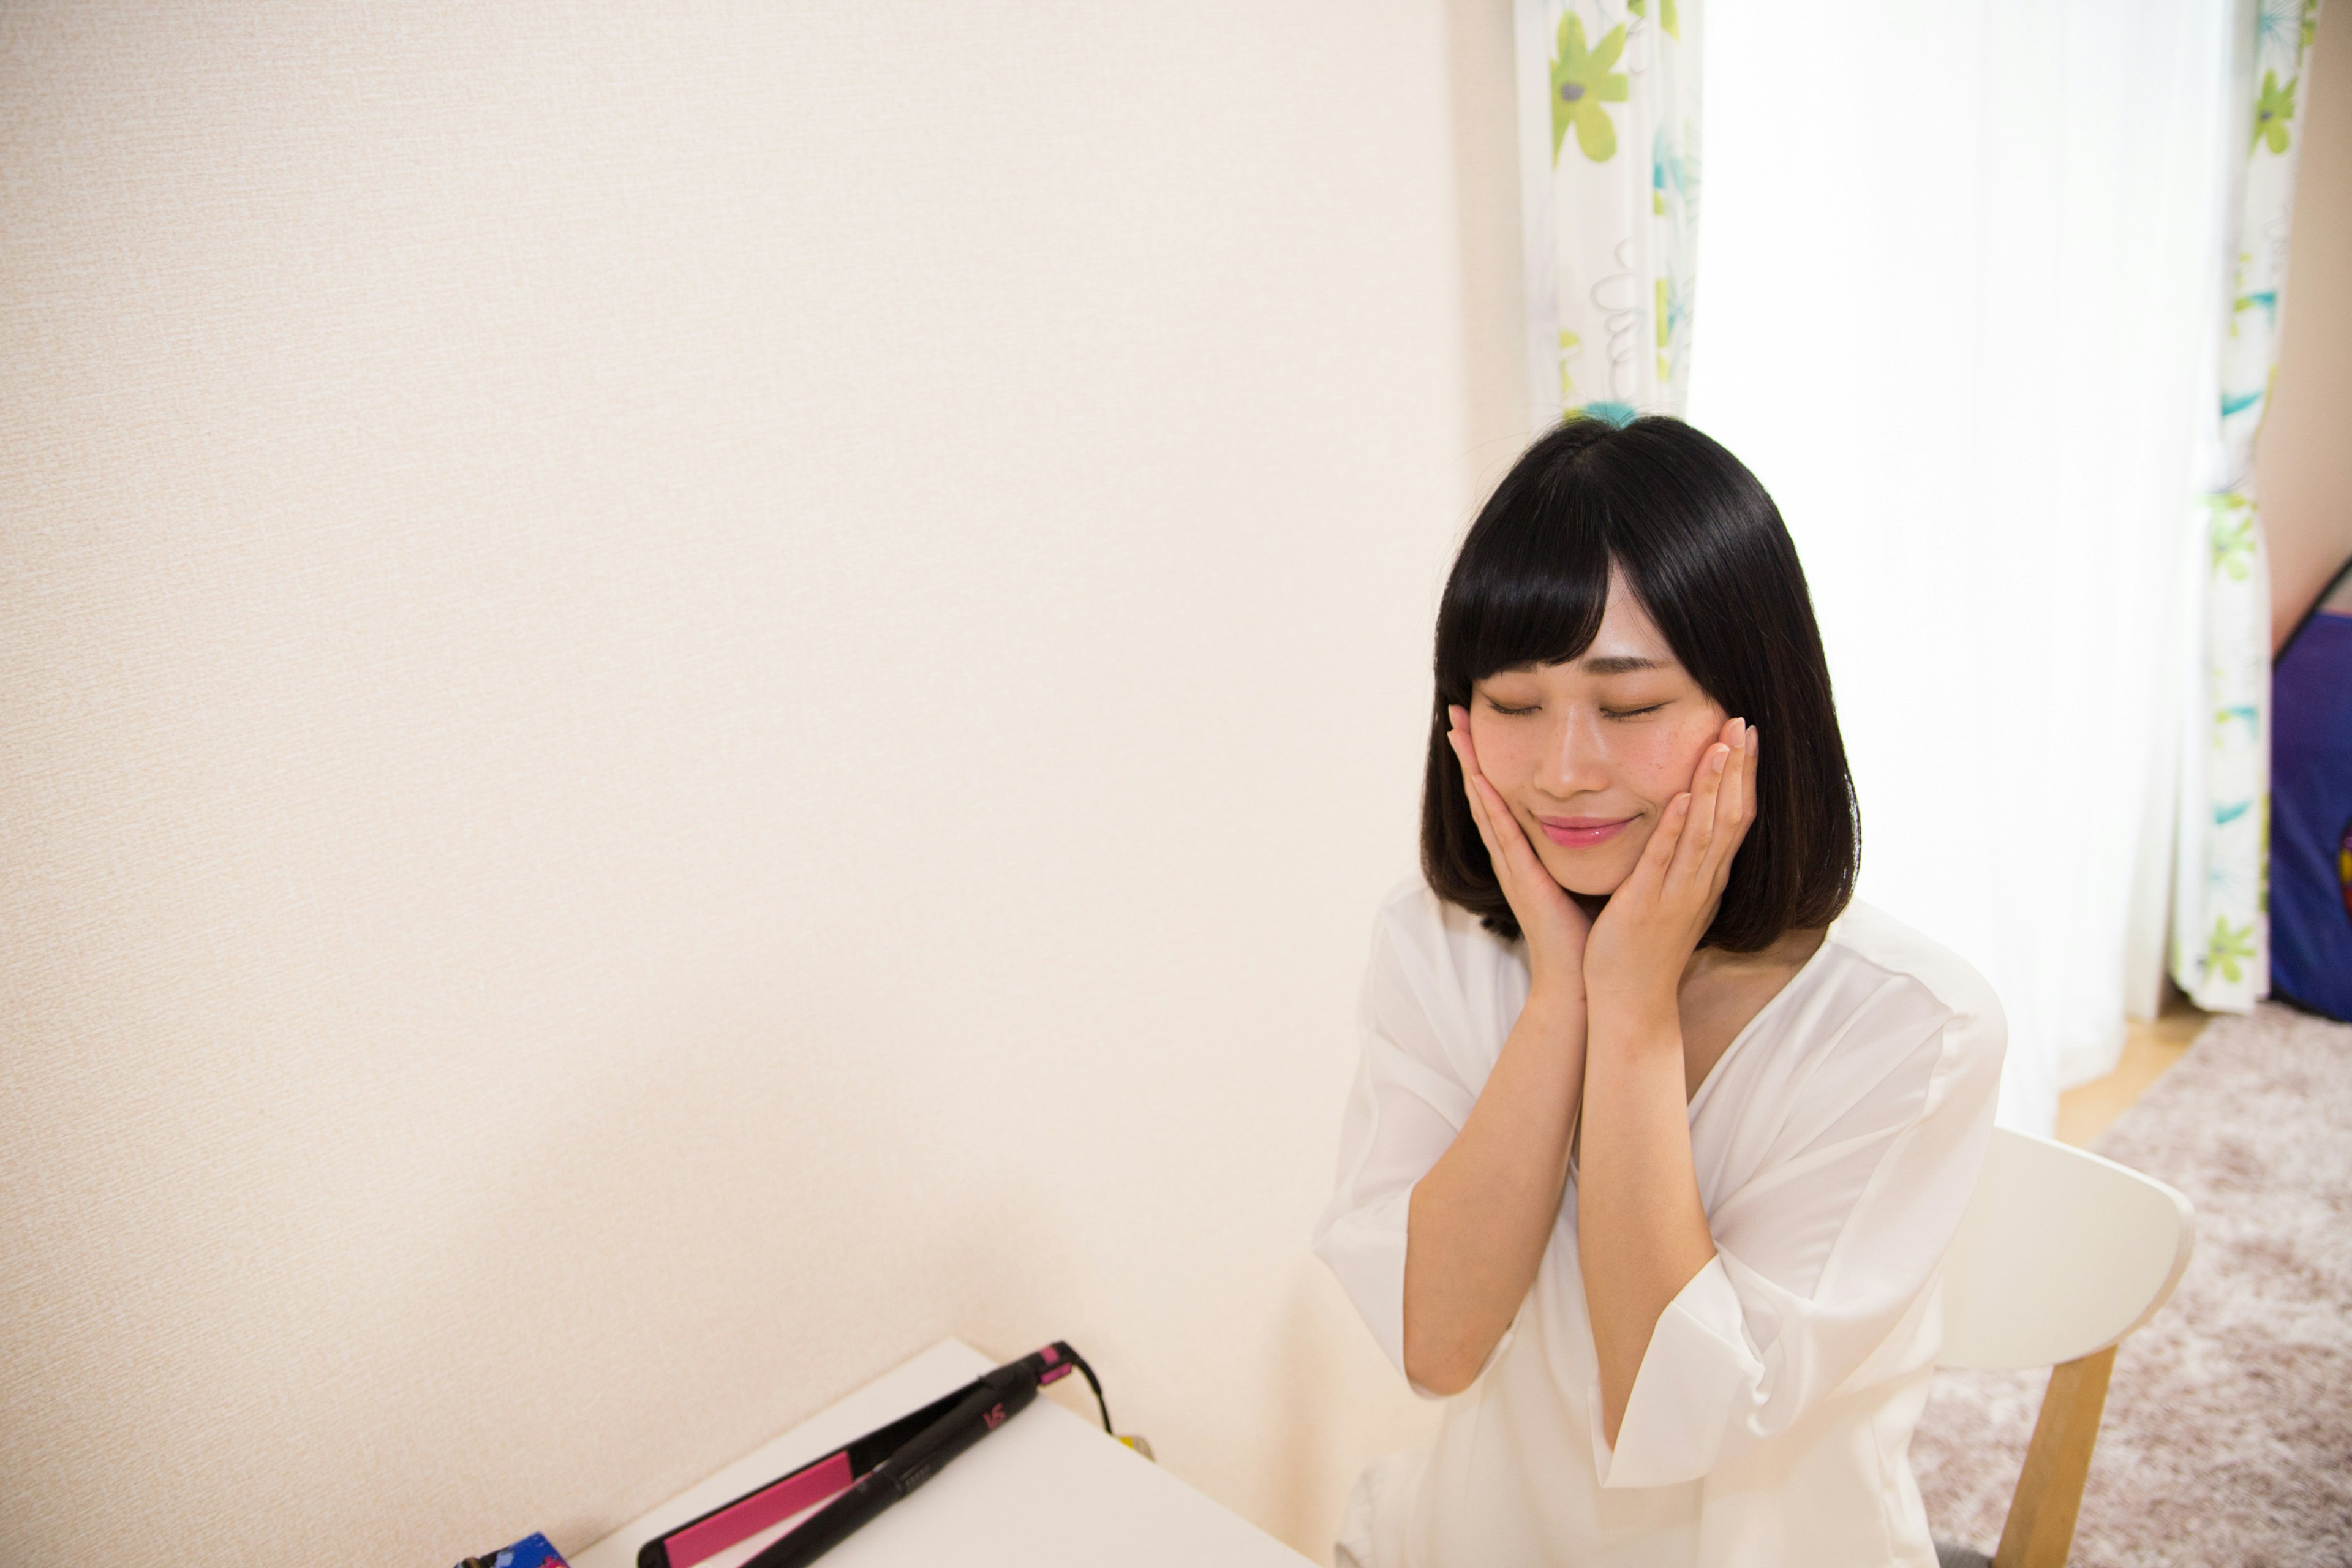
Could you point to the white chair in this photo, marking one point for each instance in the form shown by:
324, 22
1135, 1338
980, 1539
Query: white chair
2061, 1254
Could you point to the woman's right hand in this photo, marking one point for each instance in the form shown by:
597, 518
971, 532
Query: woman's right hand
1554, 925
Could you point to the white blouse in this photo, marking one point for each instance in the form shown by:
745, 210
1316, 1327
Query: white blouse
1837, 1141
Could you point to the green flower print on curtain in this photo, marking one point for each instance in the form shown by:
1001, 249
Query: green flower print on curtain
2273, 110
2220, 931
1609, 171
1582, 82
1669, 14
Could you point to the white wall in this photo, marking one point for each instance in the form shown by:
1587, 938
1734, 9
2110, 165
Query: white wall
689, 694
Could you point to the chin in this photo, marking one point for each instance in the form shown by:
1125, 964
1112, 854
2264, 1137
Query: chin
1589, 881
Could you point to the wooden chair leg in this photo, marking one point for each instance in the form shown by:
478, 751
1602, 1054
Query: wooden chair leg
2041, 1528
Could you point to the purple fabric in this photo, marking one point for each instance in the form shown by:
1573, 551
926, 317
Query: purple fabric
2311, 818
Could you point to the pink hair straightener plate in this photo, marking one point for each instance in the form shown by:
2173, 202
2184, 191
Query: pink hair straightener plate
858, 1481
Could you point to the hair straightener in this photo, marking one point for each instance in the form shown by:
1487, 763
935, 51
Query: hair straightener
858, 1481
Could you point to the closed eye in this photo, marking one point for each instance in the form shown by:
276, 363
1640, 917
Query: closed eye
1513, 712
1630, 712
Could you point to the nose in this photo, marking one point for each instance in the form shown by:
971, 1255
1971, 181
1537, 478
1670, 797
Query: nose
1574, 761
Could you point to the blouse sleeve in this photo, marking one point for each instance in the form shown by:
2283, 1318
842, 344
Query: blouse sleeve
1408, 1101
1821, 1255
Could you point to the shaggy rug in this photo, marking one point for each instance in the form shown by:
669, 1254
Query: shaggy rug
2227, 1436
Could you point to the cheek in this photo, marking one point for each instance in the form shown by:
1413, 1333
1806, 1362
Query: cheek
1506, 751
1659, 761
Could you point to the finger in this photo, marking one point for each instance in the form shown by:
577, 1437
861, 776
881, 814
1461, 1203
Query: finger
1460, 718
1465, 752
1751, 756
1755, 761
1739, 784
1506, 847
1730, 808
1470, 783
1729, 799
1691, 857
1487, 807
1747, 760
1738, 810
1506, 829
1649, 872
1481, 814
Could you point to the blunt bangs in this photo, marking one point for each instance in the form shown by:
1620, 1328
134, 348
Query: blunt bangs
1704, 549
1536, 596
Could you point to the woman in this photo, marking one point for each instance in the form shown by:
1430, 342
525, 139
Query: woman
1658, 1140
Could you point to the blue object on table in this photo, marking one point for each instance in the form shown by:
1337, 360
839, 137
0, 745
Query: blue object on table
533, 1550
2311, 809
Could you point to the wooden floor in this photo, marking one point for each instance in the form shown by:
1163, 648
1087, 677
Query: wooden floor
2149, 1048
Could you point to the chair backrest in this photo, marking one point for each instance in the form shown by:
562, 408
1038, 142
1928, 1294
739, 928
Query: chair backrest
2061, 1254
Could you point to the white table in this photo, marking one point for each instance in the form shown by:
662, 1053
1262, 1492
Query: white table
1050, 1488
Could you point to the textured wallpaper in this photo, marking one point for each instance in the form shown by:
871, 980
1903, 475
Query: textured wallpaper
690, 694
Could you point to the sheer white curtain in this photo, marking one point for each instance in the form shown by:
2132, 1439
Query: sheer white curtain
1959, 291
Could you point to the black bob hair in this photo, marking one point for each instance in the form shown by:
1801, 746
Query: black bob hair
1703, 547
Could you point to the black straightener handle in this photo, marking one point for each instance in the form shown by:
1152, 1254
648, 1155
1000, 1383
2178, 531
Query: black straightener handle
993, 1399
886, 1464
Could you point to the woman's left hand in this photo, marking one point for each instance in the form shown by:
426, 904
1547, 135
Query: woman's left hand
1642, 941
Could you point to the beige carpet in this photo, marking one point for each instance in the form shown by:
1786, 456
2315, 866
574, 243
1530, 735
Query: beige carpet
2228, 1438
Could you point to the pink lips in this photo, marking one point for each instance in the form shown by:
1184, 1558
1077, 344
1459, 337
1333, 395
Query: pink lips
1580, 832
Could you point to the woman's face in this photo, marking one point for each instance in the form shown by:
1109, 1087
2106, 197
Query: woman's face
1589, 754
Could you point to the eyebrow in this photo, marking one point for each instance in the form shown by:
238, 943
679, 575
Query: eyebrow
1621, 664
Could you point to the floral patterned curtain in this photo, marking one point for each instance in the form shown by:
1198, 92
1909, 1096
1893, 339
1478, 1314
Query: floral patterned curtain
1608, 164
2220, 934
